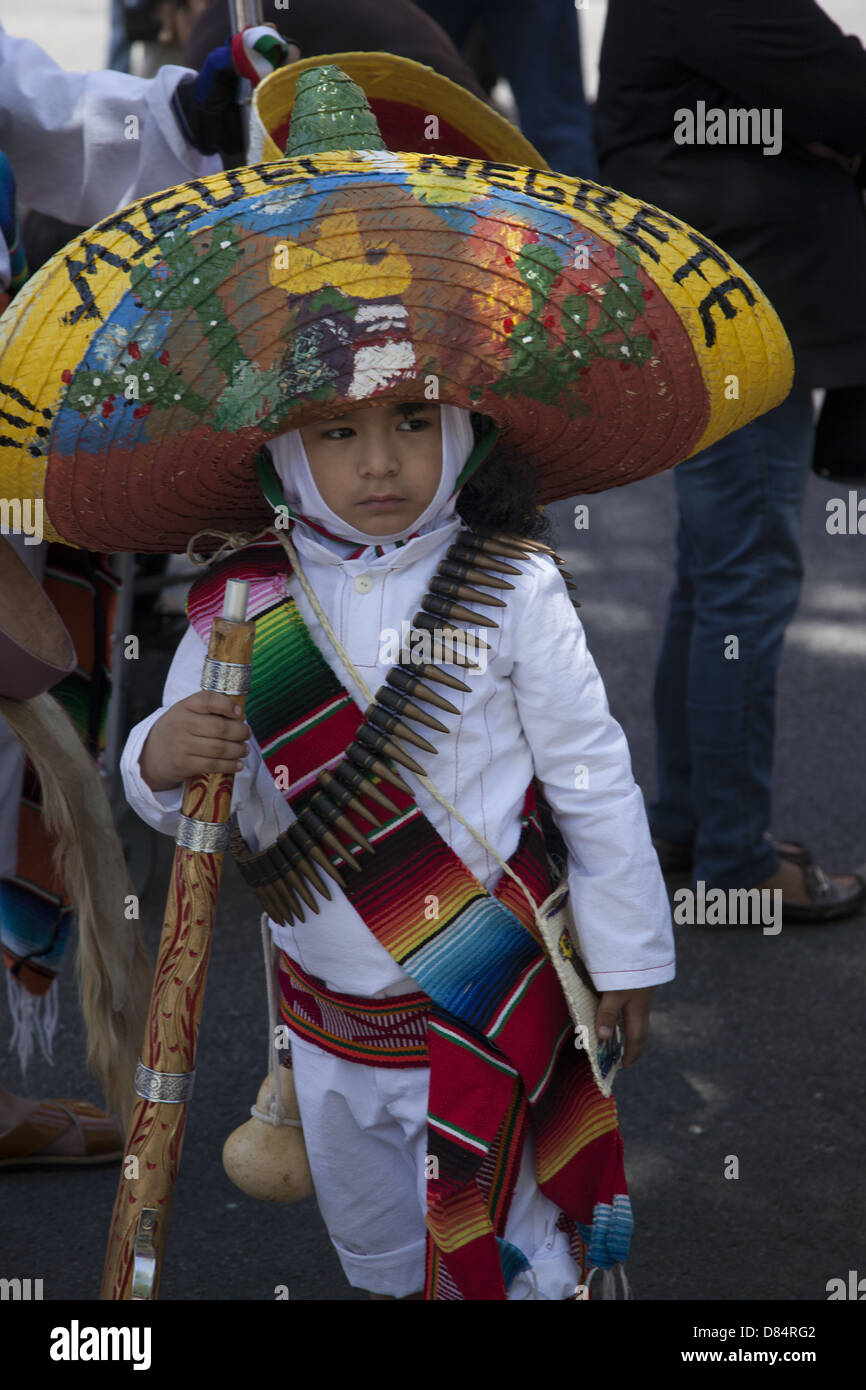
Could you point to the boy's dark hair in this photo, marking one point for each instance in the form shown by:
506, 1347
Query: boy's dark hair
502, 495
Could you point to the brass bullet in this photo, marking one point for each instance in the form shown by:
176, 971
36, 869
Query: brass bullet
401, 704
332, 815
273, 908
413, 685
511, 539
354, 779
323, 835
366, 761
466, 553
515, 549
301, 836
472, 575
343, 796
453, 639
525, 542
390, 724
447, 608
284, 893
253, 875
453, 588
289, 857
433, 673
303, 865
377, 742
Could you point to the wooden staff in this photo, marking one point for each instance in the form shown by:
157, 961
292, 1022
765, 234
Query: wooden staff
164, 1076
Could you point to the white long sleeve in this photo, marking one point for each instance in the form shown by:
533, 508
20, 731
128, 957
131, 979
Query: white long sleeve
618, 894
84, 144
539, 707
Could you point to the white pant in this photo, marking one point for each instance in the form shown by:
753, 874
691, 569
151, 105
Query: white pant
366, 1134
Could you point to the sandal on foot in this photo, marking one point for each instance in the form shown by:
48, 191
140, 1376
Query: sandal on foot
828, 902
62, 1134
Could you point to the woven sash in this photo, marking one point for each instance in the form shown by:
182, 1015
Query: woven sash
378, 1032
499, 1033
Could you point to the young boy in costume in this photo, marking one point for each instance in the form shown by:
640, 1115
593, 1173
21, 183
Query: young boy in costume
457, 1136
376, 493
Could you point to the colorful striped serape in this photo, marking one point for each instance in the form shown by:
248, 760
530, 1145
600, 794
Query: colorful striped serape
499, 1036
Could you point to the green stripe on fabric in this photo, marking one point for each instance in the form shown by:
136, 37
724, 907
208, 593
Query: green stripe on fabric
448, 1127
470, 1047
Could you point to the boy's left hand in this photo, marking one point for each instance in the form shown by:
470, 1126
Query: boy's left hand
635, 1006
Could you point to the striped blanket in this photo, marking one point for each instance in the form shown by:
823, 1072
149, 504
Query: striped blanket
499, 1036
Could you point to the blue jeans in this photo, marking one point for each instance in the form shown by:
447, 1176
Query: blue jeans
118, 44
535, 45
738, 581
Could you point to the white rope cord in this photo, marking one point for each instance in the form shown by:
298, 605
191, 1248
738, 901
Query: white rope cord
368, 694
276, 1115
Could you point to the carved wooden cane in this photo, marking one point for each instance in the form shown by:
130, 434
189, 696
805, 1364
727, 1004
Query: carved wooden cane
164, 1076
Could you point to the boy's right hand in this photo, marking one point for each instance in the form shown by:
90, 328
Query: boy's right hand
203, 733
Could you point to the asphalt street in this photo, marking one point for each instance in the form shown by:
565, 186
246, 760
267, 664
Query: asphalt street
756, 1048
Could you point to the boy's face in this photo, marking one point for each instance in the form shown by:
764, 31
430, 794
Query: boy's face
378, 467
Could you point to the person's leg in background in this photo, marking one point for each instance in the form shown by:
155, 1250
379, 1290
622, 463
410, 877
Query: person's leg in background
536, 47
738, 584
673, 815
119, 51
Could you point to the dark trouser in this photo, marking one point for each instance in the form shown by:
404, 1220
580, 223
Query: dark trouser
536, 47
738, 583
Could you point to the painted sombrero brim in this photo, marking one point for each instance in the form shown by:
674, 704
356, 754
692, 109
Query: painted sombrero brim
607, 339
403, 96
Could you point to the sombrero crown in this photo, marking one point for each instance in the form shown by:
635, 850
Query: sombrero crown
143, 368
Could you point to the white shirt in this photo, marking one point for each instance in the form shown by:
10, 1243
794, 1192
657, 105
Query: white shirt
540, 707
84, 144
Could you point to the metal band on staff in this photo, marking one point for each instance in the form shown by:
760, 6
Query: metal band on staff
227, 677
205, 836
172, 1087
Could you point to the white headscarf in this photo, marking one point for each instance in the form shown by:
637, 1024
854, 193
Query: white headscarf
293, 470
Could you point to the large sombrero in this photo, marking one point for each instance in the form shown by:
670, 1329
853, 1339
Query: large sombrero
142, 369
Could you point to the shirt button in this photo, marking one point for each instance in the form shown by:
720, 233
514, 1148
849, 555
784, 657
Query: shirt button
364, 583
